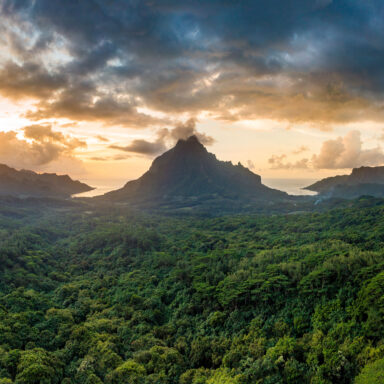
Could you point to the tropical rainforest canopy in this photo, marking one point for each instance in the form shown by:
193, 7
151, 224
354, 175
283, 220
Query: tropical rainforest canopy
112, 296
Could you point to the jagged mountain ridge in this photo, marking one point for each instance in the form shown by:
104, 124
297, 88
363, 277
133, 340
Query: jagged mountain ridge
189, 172
31, 184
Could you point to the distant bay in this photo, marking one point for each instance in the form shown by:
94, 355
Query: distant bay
291, 186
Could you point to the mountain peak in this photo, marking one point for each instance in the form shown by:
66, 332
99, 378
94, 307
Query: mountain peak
189, 148
193, 139
190, 142
188, 174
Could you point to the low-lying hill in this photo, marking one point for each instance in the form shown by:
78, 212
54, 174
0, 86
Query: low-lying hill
25, 183
361, 181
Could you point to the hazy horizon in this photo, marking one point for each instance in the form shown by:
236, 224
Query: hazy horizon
292, 186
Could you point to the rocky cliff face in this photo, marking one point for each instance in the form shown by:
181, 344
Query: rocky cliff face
364, 175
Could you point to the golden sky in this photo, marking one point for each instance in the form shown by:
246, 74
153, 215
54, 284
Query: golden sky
98, 89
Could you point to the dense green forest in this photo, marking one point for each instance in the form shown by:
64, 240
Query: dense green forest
106, 295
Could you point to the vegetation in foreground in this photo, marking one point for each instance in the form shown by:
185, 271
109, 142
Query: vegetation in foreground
114, 297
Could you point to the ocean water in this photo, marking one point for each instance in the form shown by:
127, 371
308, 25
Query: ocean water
97, 191
101, 187
291, 186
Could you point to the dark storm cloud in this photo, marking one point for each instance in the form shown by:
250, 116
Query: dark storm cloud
110, 158
316, 61
28, 79
84, 102
143, 147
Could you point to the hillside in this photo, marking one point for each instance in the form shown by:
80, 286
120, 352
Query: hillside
361, 181
25, 183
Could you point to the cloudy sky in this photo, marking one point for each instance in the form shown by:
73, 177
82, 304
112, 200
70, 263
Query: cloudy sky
98, 88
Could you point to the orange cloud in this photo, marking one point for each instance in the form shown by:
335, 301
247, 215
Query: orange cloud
340, 153
43, 147
347, 152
